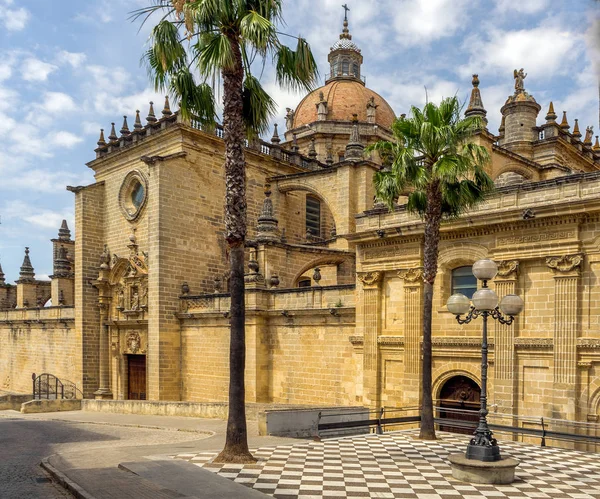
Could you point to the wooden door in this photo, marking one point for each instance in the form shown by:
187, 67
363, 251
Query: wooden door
137, 377
460, 393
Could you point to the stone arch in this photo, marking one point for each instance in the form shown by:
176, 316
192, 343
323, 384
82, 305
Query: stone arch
594, 400
527, 173
318, 187
318, 262
444, 373
452, 256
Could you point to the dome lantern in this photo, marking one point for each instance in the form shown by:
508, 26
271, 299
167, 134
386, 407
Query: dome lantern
345, 58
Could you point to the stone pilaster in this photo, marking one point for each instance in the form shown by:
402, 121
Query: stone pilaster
371, 282
566, 270
103, 391
413, 329
504, 389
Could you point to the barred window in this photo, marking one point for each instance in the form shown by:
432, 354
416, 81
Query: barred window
313, 216
345, 68
463, 281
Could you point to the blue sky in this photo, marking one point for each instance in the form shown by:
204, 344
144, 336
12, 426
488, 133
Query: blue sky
69, 68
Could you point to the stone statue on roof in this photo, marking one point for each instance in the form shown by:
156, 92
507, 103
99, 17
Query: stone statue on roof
519, 80
289, 118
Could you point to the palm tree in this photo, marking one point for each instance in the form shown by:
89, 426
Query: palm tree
196, 45
434, 162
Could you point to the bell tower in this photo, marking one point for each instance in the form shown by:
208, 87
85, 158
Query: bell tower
345, 59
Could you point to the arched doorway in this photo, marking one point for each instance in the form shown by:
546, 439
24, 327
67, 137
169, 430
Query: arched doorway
459, 392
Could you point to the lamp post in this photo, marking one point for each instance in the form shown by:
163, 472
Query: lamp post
483, 446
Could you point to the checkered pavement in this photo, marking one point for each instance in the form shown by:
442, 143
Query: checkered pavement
397, 465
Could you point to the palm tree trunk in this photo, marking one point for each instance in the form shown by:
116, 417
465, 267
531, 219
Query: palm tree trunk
433, 218
236, 443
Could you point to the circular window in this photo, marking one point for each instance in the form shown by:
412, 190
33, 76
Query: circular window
132, 195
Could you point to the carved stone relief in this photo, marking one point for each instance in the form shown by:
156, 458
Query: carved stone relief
411, 275
369, 278
565, 263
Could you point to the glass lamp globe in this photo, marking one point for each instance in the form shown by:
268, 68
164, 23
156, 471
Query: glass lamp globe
511, 305
485, 270
458, 304
485, 299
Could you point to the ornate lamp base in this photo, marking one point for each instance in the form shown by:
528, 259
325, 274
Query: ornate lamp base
471, 471
486, 453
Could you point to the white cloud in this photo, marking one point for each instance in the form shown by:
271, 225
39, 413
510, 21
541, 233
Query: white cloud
75, 59
64, 139
543, 51
13, 20
45, 218
424, 21
521, 6
91, 127
55, 102
36, 70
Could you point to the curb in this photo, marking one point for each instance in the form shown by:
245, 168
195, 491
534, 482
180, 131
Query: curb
65, 481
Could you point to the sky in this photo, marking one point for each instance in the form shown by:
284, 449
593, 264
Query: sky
69, 68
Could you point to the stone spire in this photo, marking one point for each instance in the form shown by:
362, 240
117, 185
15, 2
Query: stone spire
502, 126
475, 103
354, 148
125, 128
101, 141
564, 124
589, 133
137, 126
112, 138
267, 223
2, 279
275, 139
551, 116
166, 112
26, 273
596, 145
62, 266
151, 118
64, 234
576, 132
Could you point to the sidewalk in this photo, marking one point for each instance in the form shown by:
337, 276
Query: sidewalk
94, 471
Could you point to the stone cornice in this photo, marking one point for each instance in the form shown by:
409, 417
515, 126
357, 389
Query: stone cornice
390, 340
588, 343
534, 342
357, 340
459, 341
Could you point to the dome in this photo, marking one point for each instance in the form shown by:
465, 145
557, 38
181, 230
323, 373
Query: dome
345, 44
344, 97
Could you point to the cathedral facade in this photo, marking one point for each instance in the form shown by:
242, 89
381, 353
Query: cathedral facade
139, 301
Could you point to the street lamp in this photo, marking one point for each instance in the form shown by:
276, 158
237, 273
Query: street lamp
483, 446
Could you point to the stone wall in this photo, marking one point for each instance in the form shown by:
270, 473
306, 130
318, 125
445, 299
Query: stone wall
37, 341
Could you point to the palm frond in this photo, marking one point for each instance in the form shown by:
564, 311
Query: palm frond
296, 70
258, 108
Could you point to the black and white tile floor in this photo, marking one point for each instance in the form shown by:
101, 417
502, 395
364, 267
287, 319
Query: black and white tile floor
397, 465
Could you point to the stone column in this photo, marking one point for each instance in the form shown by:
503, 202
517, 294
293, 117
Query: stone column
566, 270
371, 316
504, 389
103, 391
413, 331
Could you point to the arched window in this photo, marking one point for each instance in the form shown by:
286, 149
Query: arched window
304, 283
345, 68
463, 281
313, 216
355, 69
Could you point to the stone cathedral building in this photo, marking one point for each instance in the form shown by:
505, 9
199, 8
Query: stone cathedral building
139, 302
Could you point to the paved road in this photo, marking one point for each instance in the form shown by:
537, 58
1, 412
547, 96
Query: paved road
25, 441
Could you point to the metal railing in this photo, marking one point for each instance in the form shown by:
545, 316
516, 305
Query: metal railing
49, 387
465, 421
